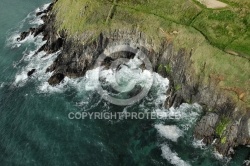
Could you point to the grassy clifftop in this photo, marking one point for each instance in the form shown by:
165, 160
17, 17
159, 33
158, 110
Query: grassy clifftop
219, 38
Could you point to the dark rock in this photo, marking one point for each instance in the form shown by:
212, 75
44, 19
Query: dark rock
56, 79
32, 30
42, 48
23, 36
39, 13
55, 46
31, 72
39, 29
176, 100
45, 18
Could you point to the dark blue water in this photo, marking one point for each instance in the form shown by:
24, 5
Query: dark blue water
35, 128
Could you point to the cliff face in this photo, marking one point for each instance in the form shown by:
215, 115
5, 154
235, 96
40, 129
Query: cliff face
224, 123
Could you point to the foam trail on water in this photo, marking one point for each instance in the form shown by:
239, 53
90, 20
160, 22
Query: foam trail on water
172, 157
171, 132
185, 116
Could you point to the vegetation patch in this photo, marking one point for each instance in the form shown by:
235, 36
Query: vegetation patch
168, 68
222, 126
223, 140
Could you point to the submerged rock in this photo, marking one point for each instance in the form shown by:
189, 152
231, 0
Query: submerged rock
31, 72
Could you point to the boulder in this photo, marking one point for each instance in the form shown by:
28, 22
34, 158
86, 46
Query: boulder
31, 72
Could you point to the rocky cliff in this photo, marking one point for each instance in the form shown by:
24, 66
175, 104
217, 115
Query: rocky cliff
224, 124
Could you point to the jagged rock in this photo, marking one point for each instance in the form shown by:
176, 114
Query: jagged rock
45, 18
39, 29
23, 36
176, 100
39, 13
42, 48
55, 46
205, 129
31, 72
56, 79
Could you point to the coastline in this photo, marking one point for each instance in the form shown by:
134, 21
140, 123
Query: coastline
186, 86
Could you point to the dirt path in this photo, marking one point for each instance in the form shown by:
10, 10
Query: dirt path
213, 4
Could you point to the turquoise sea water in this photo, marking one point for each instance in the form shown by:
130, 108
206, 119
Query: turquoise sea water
34, 124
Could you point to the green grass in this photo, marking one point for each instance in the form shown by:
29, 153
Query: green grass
241, 45
223, 140
222, 126
208, 32
220, 27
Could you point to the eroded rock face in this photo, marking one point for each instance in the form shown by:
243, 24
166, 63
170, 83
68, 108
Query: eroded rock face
206, 128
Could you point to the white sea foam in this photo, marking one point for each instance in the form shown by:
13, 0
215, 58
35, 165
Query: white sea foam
246, 162
92, 81
172, 157
171, 132
36, 21
198, 144
45, 6
185, 113
46, 88
217, 155
13, 42
161, 85
38, 62
2, 85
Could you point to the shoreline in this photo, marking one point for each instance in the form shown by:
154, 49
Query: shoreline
229, 134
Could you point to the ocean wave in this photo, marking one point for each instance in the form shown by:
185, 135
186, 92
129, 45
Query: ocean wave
172, 157
170, 132
184, 114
